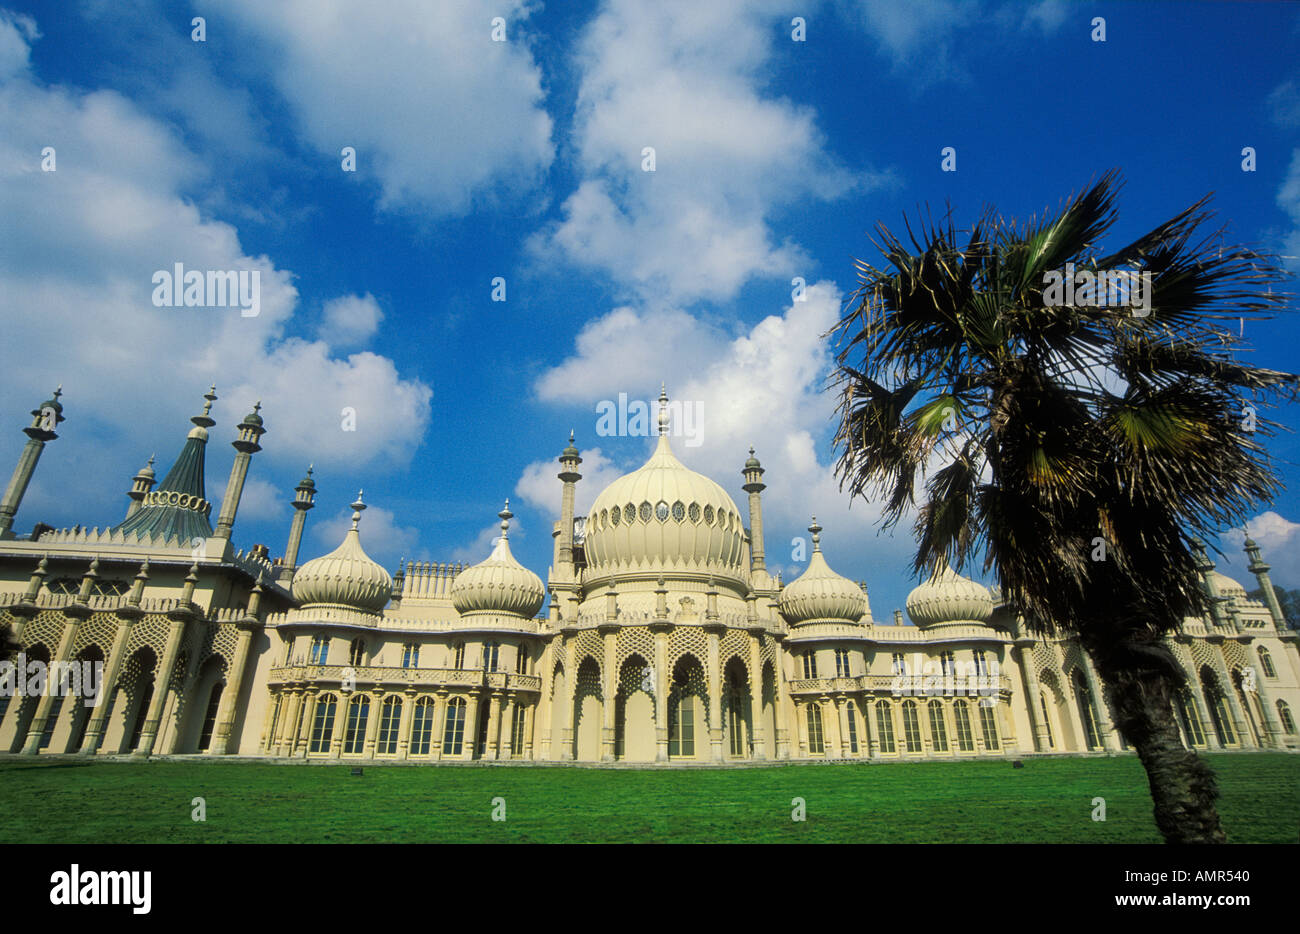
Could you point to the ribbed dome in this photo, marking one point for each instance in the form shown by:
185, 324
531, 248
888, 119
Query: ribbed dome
1227, 586
499, 585
821, 594
664, 515
947, 597
344, 577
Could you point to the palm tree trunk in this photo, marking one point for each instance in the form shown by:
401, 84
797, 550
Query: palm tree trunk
1182, 784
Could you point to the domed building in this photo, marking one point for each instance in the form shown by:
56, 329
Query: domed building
664, 639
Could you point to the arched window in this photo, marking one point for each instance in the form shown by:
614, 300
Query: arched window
453, 734
816, 743
460, 656
322, 727
911, 727
410, 655
1284, 713
354, 734
320, 650
357, 652
491, 652
989, 726
1190, 719
422, 727
885, 725
517, 731
736, 714
1047, 720
841, 663
389, 720
810, 664
938, 729
1266, 662
210, 717
961, 715
852, 715
1220, 717
1087, 713
681, 726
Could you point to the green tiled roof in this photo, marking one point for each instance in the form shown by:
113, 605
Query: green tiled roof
185, 515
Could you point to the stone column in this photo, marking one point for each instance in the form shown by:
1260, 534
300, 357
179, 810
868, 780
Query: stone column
801, 728
102, 711
162, 687
491, 745
406, 724
507, 741
842, 717
52, 688
230, 697
469, 750
660, 631
1240, 724
784, 710
441, 706
372, 723
1034, 693
758, 732
1109, 738
609, 687
715, 691
1272, 729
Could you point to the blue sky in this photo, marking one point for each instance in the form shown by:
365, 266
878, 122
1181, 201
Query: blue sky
523, 160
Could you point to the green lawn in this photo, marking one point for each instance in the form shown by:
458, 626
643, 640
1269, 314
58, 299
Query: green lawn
1049, 800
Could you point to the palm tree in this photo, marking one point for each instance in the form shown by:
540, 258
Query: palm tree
1081, 449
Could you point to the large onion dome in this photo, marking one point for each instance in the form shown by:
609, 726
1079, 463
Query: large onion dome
821, 594
1227, 586
345, 577
665, 516
500, 585
947, 597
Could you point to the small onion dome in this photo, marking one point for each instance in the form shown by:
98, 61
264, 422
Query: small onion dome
947, 597
147, 472
570, 451
821, 594
1226, 586
752, 461
344, 577
253, 418
307, 483
499, 585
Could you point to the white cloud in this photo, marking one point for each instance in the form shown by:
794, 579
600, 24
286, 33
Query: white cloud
1279, 543
261, 501
404, 81
539, 485
79, 278
686, 79
17, 32
383, 539
1284, 104
350, 320
1288, 199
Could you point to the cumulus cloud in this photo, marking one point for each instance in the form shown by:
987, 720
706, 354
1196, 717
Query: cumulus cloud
1279, 542
81, 278
686, 80
403, 80
350, 320
383, 539
540, 487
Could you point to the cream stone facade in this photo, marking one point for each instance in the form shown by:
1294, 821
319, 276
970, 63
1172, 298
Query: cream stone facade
665, 640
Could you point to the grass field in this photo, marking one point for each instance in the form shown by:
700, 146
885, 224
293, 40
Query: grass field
1049, 800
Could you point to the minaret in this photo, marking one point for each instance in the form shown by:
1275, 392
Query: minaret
1260, 570
754, 485
250, 430
303, 501
569, 476
141, 484
44, 420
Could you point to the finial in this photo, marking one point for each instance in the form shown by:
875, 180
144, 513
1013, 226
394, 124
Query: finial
58, 392
505, 516
257, 406
816, 531
751, 450
663, 409
211, 397
357, 508
151, 457
570, 435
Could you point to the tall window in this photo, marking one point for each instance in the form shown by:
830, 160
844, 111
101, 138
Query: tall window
521, 660
491, 651
736, 718
320, 650
52, 720
810, 664
1219, 713
981, 663
1266, 662
816, 744
422, 727
322, 727
911, 727
517, 730
410, 655
1191, 720
961, 715
357, 652
938, 729
453, 735
1284, 713
947, 664
275, 719
1091, 732
898, 664
210, 717
681, 725
841, 663
389, 720
989, 726
354, 733
460, 656
853, 728
885, 726
1047, 720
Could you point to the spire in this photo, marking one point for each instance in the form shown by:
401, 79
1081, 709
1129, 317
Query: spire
357, 509
816, 531
45, 418
505, 515
663, 409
